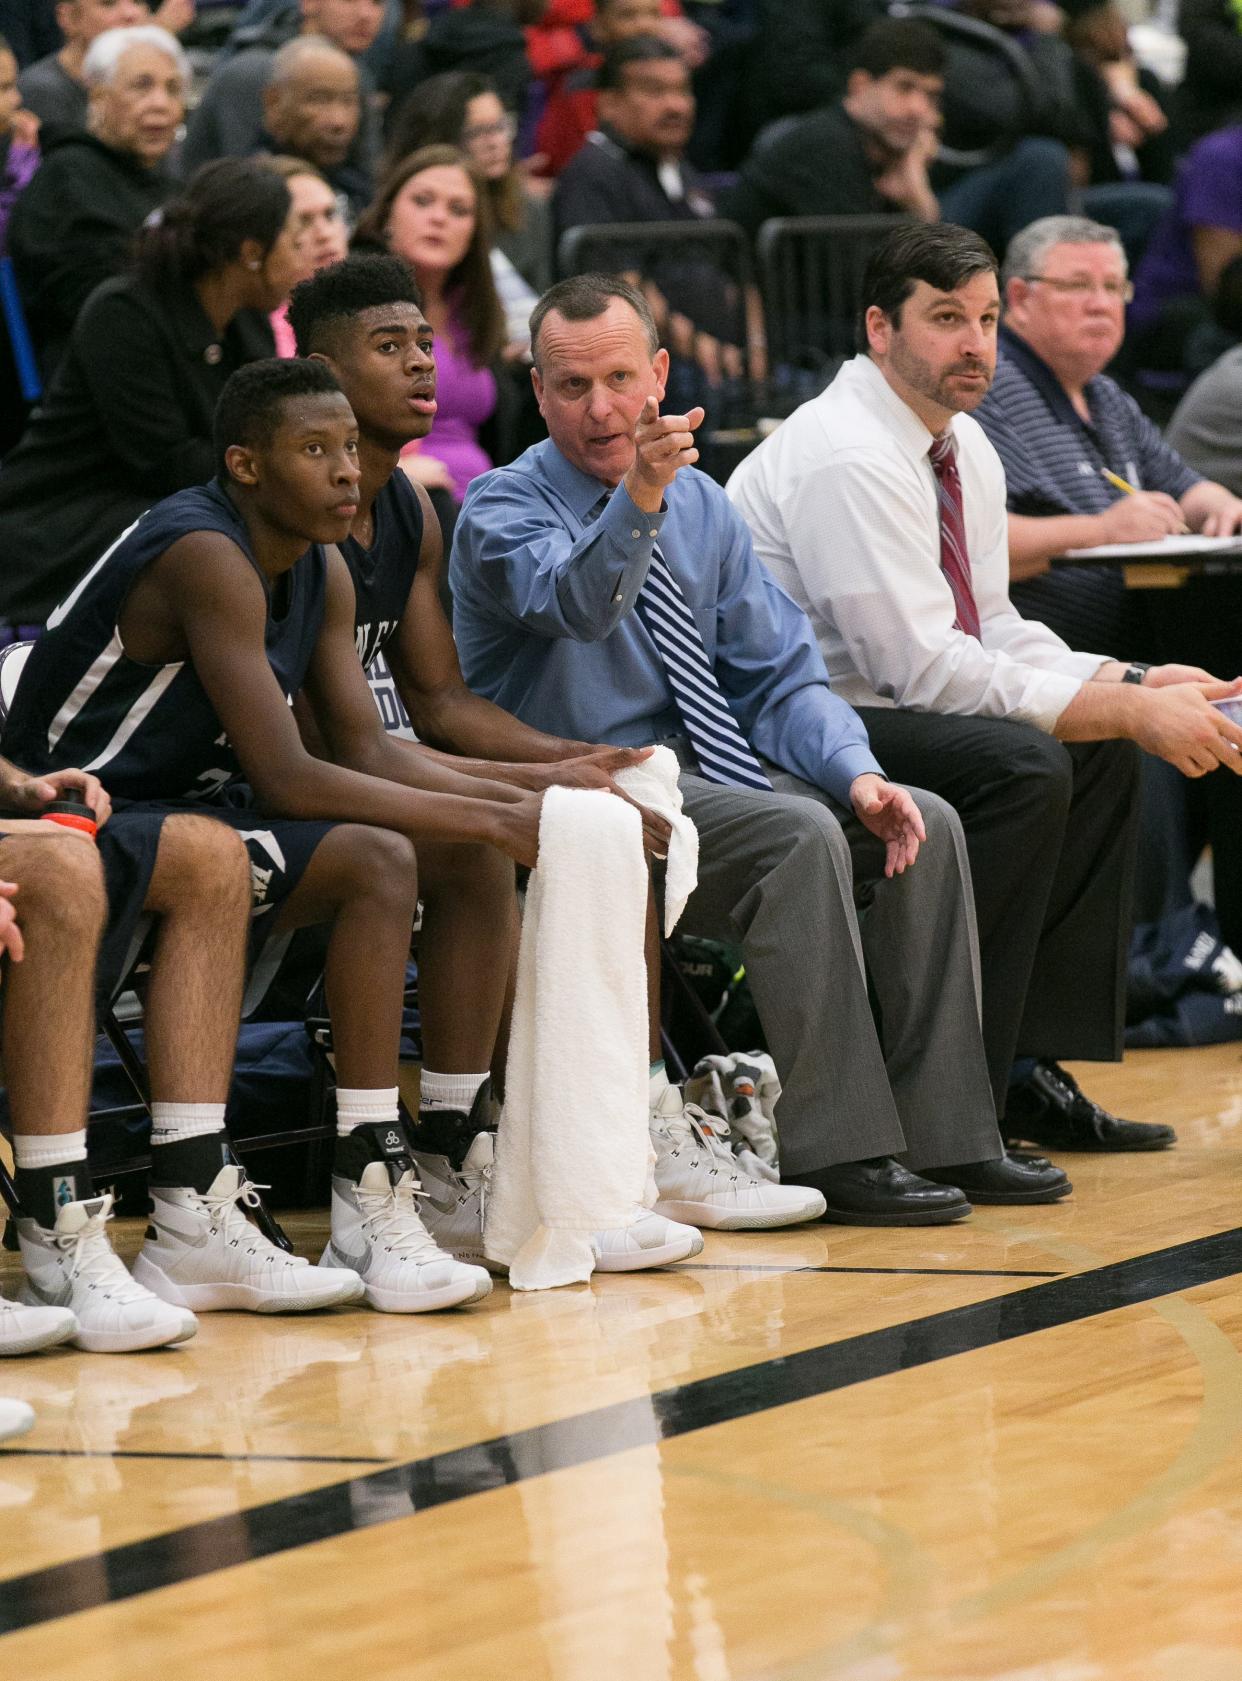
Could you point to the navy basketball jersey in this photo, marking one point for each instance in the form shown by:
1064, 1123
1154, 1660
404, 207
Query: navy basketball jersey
149, 732
384, 573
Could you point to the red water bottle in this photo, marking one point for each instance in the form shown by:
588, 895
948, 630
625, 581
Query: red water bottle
70, 814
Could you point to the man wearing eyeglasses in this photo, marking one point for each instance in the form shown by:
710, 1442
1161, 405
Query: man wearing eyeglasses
1060, 425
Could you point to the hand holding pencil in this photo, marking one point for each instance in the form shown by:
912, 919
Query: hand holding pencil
1139, 516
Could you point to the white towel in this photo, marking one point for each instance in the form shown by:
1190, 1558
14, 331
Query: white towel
573, 1146
654, 784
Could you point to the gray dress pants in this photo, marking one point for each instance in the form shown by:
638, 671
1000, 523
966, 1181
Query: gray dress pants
798, 882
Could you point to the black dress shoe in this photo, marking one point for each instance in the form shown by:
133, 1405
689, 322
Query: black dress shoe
1005, 1180
880, 1192
1049, 1109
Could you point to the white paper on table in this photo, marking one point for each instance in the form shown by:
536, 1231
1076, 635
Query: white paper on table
1167, 548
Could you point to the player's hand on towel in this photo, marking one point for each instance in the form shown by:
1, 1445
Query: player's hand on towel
890, 813
595, 769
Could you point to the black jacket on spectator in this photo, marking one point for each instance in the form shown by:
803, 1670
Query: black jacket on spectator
472, 38
802, 51
815, 165
30, 28
73, 227
1210, 95
608, 181
126, 421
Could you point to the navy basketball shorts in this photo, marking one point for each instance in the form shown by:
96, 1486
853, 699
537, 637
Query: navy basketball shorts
280, 850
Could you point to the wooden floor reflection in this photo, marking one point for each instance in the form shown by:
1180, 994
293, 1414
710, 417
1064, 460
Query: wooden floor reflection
1059, 1506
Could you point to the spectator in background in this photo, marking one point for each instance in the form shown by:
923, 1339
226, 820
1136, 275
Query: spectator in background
634, 169
1171, 325
29, 26
432, 211
19, 141
483, 36
19, 158
1210, 95
1206, 429
1058, 421
874, 150
74, 225
55, 88
462, 109
127, 419
229, 119
320, 229
312, 109
569, 115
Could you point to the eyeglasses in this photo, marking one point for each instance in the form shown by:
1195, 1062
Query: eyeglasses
1120, 291
504, 129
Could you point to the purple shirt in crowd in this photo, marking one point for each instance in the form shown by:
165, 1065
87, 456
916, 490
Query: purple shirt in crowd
1207, 194
15, 172
465, 398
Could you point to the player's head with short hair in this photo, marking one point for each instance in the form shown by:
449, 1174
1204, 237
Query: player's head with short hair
254, 399
287, 448
363, 317
328, 305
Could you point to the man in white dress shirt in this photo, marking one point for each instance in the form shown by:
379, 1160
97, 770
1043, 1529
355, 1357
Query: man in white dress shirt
880, 507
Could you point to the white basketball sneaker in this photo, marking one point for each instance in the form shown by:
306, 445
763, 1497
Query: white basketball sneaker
649, 1240
377, 1232
700, 1180
15, 1417
202, 1252
455, 1200
75, 1266
23, 1330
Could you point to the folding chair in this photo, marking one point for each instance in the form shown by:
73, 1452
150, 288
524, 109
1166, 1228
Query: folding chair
811, 272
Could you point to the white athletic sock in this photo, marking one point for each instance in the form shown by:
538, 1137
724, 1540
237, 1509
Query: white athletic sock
365, 1105
449, 1091
49, 1149
173, 1123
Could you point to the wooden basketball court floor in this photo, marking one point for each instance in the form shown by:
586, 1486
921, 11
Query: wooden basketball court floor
1011, 1448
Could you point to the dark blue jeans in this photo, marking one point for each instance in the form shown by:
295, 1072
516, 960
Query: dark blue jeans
999, 199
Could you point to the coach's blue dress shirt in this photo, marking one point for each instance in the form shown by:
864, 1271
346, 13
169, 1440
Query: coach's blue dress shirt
543, 613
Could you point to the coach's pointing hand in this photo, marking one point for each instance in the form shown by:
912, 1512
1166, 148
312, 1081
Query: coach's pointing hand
663, 445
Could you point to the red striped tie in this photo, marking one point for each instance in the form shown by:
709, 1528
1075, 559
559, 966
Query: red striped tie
954, 556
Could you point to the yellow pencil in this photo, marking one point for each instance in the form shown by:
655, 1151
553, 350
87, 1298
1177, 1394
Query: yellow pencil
1118, 483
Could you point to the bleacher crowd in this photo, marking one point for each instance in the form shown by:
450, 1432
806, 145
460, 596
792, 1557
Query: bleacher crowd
724, 374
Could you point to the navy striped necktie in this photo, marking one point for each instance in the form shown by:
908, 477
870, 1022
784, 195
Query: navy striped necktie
954, 556
722, 750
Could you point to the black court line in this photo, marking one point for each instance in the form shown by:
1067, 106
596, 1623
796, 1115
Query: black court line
399, 1491
899, 1272
219, 1458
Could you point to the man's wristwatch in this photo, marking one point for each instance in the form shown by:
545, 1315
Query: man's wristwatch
1135, 672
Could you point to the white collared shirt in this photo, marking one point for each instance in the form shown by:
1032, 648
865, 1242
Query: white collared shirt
842, 503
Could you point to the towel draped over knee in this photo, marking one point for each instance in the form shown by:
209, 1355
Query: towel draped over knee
573, 1147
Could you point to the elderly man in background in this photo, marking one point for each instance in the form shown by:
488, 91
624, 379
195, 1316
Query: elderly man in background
230, 119
74, 225
1060, 425
312, 108
54, 88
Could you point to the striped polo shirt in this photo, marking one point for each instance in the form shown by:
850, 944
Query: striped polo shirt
1053, 460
